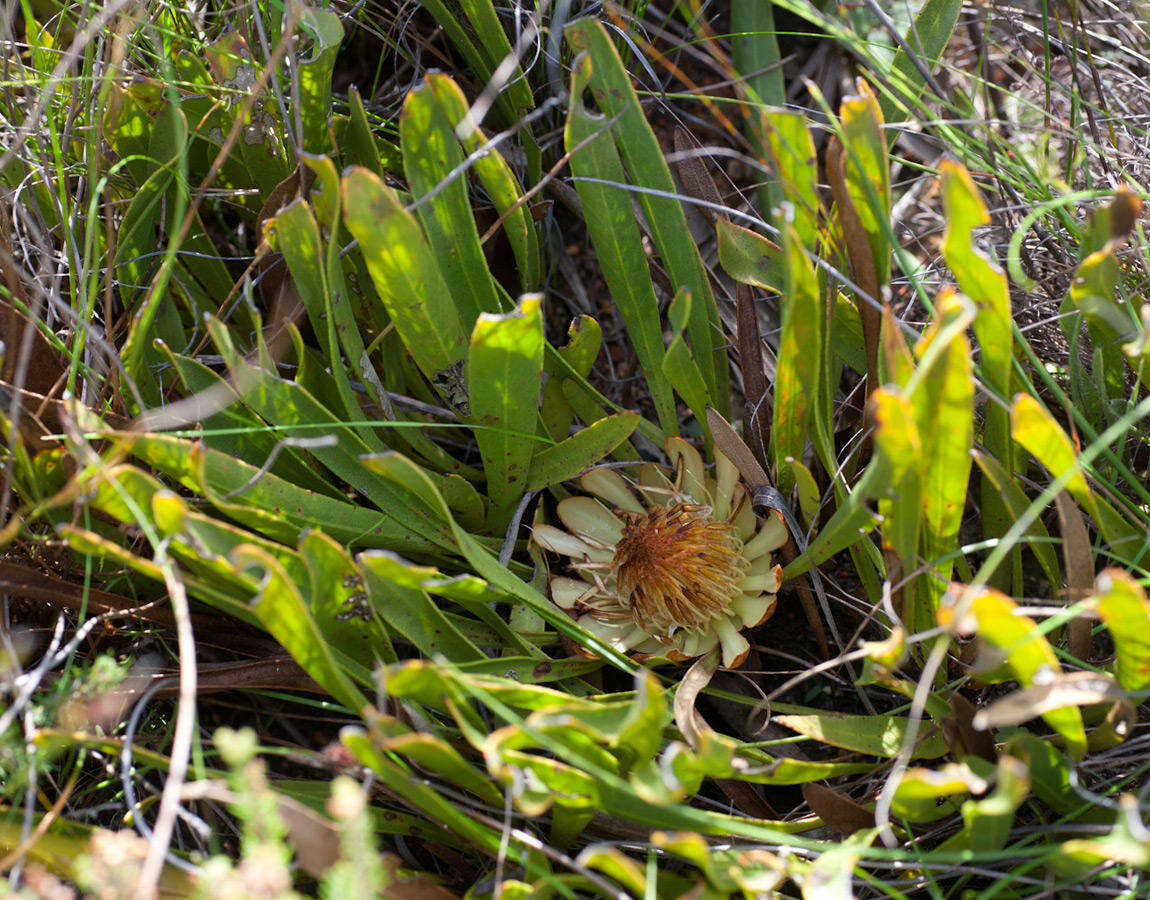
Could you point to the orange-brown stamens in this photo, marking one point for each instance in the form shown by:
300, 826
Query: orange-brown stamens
676, 568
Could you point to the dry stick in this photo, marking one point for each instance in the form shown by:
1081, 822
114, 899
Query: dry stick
153, 866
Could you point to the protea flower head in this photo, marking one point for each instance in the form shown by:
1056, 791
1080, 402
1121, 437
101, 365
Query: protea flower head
666, 566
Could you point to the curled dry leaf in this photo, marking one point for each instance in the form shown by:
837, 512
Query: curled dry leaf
688, 721
1071, 689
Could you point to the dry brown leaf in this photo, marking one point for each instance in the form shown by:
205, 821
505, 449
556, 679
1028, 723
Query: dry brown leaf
837, 810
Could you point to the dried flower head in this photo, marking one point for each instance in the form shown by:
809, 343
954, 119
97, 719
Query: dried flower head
666, 567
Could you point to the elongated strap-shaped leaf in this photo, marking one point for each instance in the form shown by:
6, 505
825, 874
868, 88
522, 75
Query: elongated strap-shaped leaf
340, 324
755, 51
505, 374
800, 357
1016, 503
405, 273
874, 735
867, 170
315, 76
568, 458
486, 48
679, 364
431, 153
586, 338
424, 797
944, 405
610, 85
611, 222
294, 232
282, 611
498, 180
1122, 604
985, 284
898, 438
1037, 431
236, 431
792, 152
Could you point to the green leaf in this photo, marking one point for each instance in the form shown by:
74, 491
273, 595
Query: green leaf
424, 797
919, 790
927, 37
281, 610
867, 170
792, 152
994, 617
298, 414
433, 754
899, 439
405, 272
800, 356
315, 75
1037, 431
988, 820
944, 405
985, 283
498, 181
1016, 502
618, 245
474, 27
1122, 604
410, 612
679, 364
610, 85
431, 154
336, 599
504, 376
295, 233
874, 735
583, 449
749, 257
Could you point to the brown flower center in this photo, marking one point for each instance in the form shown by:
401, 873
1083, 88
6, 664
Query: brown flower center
677, 568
